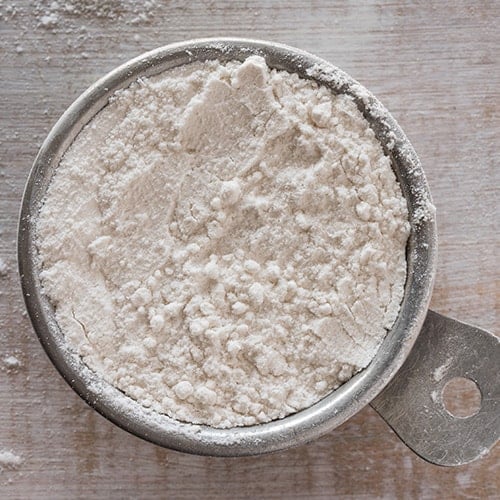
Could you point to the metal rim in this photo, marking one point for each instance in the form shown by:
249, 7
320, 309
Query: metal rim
341, 404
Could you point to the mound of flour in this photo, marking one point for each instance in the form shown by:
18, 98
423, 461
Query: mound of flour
225, 243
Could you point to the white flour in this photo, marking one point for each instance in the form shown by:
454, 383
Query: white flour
11, 362
9, 460
4, 268
225, 243
55, 14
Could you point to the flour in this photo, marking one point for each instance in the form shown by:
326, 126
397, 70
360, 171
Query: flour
11, 363
9, 460
55, 14
4, 268
225, 243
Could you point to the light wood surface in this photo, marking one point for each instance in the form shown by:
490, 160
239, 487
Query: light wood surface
435, 65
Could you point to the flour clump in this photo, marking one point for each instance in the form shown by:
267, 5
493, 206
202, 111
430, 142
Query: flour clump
225, 242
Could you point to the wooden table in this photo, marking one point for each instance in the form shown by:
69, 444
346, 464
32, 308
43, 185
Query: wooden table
436, 67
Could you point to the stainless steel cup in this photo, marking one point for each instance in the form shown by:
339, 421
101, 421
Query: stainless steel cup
403, 382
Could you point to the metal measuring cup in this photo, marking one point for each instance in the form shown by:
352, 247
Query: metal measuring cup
419, 355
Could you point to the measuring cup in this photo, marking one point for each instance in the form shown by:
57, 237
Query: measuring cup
404, 381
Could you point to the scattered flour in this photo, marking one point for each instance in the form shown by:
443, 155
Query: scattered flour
9, 460
233, 248
4, 268
11, 362
441, 370
55, 14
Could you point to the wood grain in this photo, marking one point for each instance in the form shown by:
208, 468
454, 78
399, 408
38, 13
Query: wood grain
436, 67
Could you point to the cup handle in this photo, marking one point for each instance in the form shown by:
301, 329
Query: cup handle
412, 402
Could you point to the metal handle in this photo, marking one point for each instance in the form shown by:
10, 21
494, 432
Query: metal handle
412, 402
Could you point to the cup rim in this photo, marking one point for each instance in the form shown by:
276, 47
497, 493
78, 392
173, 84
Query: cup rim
340, 404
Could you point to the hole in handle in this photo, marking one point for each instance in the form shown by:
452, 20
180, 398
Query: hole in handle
461, 397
